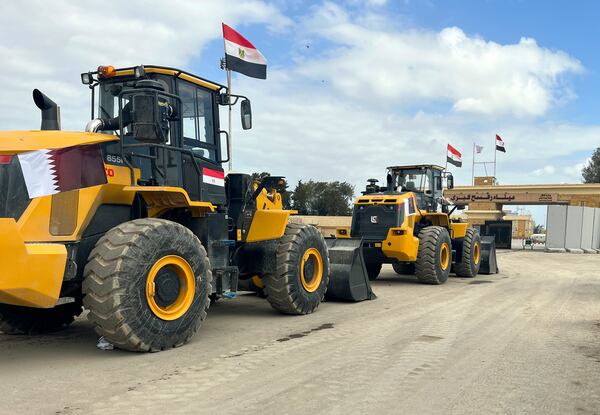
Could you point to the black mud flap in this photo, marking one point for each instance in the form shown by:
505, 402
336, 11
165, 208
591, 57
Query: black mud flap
489, 264
348, 279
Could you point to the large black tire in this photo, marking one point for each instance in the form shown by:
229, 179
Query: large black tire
137, 275
299, 253
434, 258
404, 268
373, 270
27, 320
470, 261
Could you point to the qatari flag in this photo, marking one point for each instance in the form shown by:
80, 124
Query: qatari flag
454, 156
47, 172
241, 55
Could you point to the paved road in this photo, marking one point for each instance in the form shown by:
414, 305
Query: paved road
524, 341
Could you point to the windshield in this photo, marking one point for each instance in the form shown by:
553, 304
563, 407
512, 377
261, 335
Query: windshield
109, 90
412, 180
108, 93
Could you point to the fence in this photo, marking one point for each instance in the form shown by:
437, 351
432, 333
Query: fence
573, 228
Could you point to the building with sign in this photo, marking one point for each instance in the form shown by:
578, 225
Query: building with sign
486, 199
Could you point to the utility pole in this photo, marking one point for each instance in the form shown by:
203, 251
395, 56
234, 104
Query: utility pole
229, 129
473, 168
495, 151
229, 146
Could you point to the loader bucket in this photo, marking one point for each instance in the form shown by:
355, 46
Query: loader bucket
489, 265
348, 279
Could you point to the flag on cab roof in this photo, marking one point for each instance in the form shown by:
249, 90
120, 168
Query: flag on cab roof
241, 55
500, 144
454, 156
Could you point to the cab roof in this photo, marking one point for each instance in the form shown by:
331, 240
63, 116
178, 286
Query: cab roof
417, 166
165, 70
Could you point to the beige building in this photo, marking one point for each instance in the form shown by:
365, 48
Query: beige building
487, 198
326, 224
522, 225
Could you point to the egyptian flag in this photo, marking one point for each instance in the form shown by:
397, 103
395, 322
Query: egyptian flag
47, 172
500, 144
454, 156
241, 55
214, 177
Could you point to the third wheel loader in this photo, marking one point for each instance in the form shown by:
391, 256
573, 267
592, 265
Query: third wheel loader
135, 220
407, 223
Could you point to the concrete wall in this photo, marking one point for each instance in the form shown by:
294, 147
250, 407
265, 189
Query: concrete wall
596, 234
556, 224
587, 228
573, 227
573, 230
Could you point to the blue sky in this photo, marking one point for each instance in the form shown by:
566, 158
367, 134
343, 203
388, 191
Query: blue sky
556, 26
353, 85
569, 26
564, 25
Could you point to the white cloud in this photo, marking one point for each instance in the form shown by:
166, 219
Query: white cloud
334, 114
573, 172
307, 131
376, 3
404, 66
47, 45
544, 171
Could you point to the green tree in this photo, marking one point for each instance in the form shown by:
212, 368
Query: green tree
323, 198
591, 172
260, 176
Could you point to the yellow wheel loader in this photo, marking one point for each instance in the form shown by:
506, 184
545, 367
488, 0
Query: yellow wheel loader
407, 223
135, 220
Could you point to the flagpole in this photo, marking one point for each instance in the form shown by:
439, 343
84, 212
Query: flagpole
473, 168
446, 169
229, 129
495, 151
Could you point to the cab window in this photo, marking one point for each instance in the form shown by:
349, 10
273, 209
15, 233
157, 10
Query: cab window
198, 120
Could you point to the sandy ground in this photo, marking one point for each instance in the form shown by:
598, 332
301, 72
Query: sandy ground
524, 341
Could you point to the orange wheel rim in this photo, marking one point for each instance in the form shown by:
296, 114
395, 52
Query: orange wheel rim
258, 281
445, 256
311, 269
476, 253
170, 287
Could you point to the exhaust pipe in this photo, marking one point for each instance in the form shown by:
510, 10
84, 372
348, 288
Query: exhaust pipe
50, 111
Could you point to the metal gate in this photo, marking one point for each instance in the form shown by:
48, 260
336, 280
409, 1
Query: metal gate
501, 230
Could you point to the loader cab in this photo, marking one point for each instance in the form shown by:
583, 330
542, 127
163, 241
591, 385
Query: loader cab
168, 124
425, 181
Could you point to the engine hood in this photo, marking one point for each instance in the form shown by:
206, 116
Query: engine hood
13, 142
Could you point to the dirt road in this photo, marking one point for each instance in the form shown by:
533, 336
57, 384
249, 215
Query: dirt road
526, 340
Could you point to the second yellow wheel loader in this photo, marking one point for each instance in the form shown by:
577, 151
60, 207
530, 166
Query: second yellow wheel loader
135, 220
407, 223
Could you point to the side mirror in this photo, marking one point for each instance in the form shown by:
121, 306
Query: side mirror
390, 182
246, 112
450, 182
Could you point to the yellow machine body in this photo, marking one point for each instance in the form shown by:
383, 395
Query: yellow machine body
33, 248
401, 244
